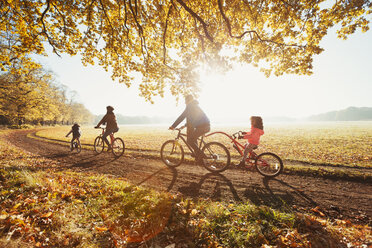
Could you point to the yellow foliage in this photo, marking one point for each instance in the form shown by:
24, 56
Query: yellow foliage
166, 41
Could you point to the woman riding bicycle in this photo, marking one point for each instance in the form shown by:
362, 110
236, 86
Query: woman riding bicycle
111, 125
197, 124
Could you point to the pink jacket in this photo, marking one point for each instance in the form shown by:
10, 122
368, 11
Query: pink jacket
254, 136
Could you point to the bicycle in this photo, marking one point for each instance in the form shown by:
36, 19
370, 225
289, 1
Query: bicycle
76, 145
217, 156
267, 164
117, 144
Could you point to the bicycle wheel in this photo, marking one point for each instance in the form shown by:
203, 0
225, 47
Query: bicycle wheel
217, 157
269, 164
118, 147
99, 145
172, 153
77, 146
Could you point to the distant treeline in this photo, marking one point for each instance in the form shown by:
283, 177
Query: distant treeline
349, 114
122, 119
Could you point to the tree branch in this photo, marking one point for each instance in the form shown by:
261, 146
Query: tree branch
198, 18
165, 33
140, 30
227, 21
51, 42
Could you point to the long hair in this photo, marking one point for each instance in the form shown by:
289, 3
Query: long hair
256, 122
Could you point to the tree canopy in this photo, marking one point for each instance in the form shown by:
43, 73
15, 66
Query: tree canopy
166, 41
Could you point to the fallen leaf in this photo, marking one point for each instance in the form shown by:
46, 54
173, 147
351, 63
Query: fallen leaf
316, 210
101, 229
47, 215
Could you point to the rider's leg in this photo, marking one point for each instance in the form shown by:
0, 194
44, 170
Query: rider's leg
192, 140
104, 137
107, 133
72, 143
248, 148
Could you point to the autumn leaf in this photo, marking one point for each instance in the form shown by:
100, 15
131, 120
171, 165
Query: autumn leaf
47, 215
101, 229
317, 210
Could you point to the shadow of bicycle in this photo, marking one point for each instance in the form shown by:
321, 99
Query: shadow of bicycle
277, 194
212, 186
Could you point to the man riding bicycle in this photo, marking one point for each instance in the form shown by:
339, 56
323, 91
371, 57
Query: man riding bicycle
197, 124
111, 125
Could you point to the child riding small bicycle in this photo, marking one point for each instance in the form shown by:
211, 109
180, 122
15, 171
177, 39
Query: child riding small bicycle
76, 133
253, 137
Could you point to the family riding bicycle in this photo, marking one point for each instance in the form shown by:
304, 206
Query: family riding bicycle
115, 145
214, 156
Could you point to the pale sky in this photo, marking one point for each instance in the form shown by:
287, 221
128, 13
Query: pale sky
342, 78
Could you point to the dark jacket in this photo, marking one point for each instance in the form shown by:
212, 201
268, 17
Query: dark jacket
195, 117
110, 120
75, 130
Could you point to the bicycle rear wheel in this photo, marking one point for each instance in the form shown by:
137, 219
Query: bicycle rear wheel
217, 157
172, 153
118, 147
77, 146
99, 145
269, 164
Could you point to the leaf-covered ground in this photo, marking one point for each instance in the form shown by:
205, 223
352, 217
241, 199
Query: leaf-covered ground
45, 204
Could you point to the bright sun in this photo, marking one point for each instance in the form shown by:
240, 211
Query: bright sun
245, 91
226, 97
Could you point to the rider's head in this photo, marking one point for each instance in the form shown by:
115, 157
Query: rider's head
256, 121
110, 109
188, 99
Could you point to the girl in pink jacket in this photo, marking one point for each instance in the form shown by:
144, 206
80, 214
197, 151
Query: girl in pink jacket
253, 137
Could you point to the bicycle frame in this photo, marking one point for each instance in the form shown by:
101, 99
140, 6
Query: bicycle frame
111, 135
238, 146
182, 136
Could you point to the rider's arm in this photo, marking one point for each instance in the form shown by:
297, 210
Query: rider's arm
247, 135
180, 118
102, 121
68, 133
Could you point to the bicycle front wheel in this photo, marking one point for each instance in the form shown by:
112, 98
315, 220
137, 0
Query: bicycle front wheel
269, 164
99, 145
118, 147
172, 153
217, 157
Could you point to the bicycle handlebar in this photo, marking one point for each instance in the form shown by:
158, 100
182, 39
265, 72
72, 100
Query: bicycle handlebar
237, 134
179, 129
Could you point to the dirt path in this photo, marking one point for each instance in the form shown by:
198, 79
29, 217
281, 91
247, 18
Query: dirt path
336, 198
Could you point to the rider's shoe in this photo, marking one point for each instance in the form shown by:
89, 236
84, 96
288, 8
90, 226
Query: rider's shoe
241, 163
72, 148
109, 148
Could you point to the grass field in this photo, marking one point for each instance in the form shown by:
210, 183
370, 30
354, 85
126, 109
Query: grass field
340, 143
